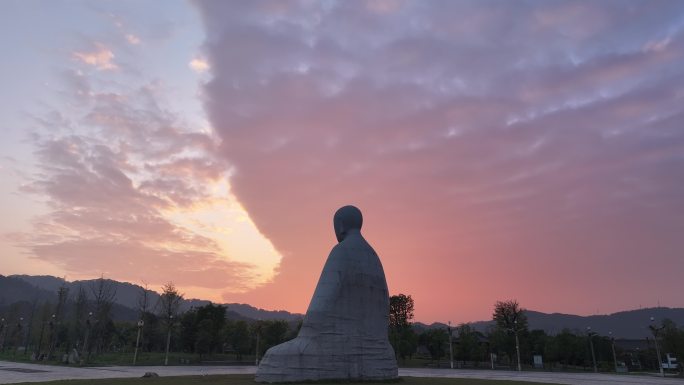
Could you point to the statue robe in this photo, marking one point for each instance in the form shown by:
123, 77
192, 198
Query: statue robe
344, 333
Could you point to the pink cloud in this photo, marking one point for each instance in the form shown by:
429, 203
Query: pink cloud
491, 160
109, 174
135, 261
100, 57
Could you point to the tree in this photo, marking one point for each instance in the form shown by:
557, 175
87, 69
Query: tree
217, 315
103, 292
402, 336
193, 328
408, 343
169, 301
435, 341
29, 325
566, 348
509, 316
45, 318
154, 336
78, 318
204, 340
401, 311
274, 332
239, 338
62, 295
143, 304
468, 348
673, 341
168, 305
143, 299
188, 330
536, 343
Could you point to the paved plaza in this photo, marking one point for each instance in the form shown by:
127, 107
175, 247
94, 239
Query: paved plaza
13, 372
547, 377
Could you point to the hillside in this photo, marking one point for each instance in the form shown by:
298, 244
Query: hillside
27, 288
624, 324
15, 289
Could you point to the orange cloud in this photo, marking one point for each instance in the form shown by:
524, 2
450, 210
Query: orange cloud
101, 57
199, 65
145, 197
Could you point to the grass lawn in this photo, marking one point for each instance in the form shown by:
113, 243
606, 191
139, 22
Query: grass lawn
248, 379
144, 359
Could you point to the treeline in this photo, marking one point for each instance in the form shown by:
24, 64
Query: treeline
78, 328
497, 347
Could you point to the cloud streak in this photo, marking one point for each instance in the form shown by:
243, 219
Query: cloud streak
120, 172
100, 57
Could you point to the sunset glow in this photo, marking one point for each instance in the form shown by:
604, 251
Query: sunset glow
498, 150
222, 219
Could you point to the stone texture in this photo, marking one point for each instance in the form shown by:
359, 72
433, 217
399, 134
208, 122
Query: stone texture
344, 333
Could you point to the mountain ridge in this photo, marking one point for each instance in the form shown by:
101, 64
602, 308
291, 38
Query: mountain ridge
127, 295
622, 324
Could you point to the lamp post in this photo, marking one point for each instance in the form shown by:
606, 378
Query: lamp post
86, 354
517, 343
168, 340
141, 323
451, 350
612, 345
591, 345
655, 330
258, 331
51, 343
17, 336
3, 334
40, 339
29, 326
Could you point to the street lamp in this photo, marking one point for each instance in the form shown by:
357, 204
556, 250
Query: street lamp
3, 333
86, 354
451, 350
258, 332
51, 343
655, 330
517, 343
18, 336
39, 348
27, 335
141, 323
591, 345
168, 340
612, 344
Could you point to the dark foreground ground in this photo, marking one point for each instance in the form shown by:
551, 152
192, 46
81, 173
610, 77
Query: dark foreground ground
247, 379
14, 372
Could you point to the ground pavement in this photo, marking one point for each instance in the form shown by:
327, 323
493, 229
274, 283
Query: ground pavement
13, 372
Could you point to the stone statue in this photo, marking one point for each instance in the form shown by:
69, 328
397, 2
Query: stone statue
344, 333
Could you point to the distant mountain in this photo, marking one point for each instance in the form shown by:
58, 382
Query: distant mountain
46, 282
14, 289
44, 287
256, 313
625, 324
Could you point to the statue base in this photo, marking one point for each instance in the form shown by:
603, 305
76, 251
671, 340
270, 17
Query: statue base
306, 359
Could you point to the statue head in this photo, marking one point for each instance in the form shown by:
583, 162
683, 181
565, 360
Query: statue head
347, 219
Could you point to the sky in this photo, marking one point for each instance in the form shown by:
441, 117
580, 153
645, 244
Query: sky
528, 150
